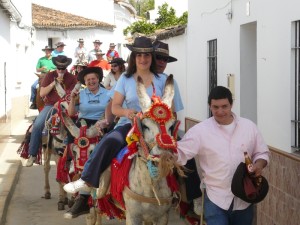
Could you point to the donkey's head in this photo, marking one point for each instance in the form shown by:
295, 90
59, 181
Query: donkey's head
85, 138
157, 127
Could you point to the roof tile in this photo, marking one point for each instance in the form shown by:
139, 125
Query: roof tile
47, 18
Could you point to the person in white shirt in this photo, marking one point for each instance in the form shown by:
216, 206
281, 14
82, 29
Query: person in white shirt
80, 51
220, 142
117, 68
92, 54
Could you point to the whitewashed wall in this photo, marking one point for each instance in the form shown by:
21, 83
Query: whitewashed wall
15, 42
177, 49
207, 21
4, 56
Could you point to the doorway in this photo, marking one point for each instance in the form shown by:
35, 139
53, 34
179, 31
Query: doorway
248, 71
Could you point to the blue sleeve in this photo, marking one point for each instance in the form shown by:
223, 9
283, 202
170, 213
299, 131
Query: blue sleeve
120, 85
178, 105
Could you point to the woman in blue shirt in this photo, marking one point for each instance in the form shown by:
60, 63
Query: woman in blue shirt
90, 103
93, 99
141, 63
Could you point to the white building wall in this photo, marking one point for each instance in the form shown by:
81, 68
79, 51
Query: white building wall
177, 49
207, 21
4, 57
123, 19
15, 42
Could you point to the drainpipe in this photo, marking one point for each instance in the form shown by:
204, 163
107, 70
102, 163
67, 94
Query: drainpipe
13, 11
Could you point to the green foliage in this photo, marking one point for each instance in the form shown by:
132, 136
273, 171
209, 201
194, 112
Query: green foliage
141, 26
167, 17
183, 19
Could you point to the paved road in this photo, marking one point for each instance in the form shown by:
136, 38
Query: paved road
28, 207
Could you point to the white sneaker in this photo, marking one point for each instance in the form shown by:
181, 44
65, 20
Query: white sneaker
30, 161
78, 185
198, 206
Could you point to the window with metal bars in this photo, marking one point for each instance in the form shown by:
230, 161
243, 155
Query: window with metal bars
296, 71
212, 66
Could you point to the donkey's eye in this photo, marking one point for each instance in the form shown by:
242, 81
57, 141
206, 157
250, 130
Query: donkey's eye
171, 128
144, 127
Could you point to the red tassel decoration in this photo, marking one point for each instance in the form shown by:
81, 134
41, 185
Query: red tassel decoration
172, 183
108, 208
119, 178
23, 150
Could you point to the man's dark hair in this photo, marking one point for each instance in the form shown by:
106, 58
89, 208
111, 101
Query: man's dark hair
220, 92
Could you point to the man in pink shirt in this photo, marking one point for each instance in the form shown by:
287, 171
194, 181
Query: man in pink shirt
220, 142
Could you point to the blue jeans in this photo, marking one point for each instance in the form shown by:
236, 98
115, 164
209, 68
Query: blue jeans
37, 129
215, 215
33, 90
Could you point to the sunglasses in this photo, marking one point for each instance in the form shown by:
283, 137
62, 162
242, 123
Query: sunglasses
114, 65
61, 68
162, 58
94, 102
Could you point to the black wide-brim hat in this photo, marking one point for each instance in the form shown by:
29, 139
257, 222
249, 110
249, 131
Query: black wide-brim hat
141, 45
89, 70
118, 61
238, 187
61, 61
47, 48
162, 49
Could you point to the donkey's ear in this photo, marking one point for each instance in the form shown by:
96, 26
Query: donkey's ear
74, 130
64, 106
144, 99
169, 91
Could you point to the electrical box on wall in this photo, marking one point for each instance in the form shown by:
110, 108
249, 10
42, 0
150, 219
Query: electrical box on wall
231, 84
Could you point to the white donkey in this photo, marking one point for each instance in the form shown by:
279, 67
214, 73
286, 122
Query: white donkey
151, 185
148, 199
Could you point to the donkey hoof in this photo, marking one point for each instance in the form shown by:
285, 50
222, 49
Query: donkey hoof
61, 206
47, 195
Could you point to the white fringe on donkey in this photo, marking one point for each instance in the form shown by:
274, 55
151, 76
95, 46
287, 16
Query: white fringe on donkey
143, 182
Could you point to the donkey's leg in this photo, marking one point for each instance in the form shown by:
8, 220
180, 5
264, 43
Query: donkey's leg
133, 219
163, 220
98, 219
47, 167
93, 218
62, 195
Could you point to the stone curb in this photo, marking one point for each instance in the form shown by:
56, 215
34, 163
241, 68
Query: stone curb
8, 187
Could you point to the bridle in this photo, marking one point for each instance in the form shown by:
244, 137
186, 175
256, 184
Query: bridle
159, 113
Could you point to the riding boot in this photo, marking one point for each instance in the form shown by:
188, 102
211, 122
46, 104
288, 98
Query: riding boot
33, 104
80, 207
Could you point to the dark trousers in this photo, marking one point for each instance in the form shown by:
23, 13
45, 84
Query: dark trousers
103, 153
192, 181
